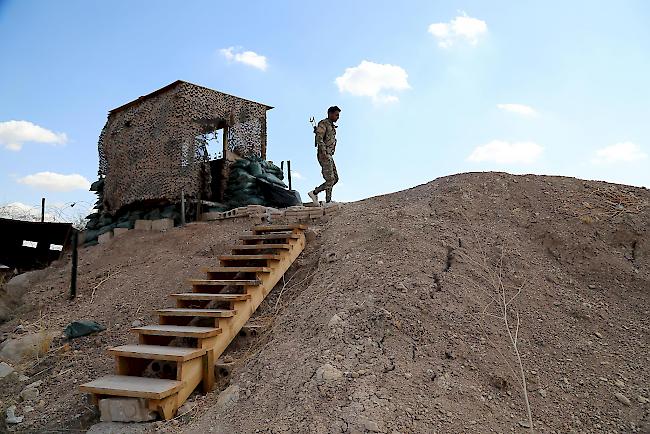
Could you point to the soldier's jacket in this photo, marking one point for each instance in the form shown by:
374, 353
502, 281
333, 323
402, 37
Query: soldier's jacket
326, 136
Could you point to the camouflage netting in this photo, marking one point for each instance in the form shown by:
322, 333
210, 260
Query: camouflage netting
155, 147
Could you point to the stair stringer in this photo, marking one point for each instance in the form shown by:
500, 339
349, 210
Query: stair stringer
230, 327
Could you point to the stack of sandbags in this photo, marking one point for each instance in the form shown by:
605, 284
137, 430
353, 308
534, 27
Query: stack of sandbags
254, 181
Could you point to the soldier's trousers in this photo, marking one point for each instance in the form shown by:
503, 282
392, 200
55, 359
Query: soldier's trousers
331, 176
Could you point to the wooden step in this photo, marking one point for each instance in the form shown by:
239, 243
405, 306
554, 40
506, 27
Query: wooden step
157, 352
260, 247
249, 257
277, 228
287, 235
211, 297
210, 282
236, 270
136, 387
178, 331
210, 313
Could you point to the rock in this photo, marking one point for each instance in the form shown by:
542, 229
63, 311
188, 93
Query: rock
31, 345
35, 384
17, 286
619, 383
137, 323
310, 235
331, 257
29, 393
12, 419
598, 335
327, 372
28, 409
334, 321
623, 399
185, 408
228, 396
23, 378
5, 308
371, 426
5, 369
642, 399
118, 428
125, 410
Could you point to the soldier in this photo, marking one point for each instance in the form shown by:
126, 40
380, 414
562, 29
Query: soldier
326, 145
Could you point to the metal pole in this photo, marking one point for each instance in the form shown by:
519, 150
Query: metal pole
289, 171
73, 277
42, 210
182, 208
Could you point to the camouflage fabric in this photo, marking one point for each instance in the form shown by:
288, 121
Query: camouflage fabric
328, 169
326, 135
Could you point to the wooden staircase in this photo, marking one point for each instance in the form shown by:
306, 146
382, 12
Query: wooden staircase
182, 349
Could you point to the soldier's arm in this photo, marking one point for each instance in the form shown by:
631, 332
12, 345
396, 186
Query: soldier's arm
320, 133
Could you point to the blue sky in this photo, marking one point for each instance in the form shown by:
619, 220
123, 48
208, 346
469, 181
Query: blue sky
427, 88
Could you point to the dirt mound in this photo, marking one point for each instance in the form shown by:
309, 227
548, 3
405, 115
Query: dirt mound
392, 320
392, 333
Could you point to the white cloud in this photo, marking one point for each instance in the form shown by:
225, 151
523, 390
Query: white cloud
249, 58
502, 152
372, 79
461, 28
296, 175
623, 152
520, 109
55, 181
13, 134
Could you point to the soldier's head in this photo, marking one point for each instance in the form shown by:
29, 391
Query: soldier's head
333, 113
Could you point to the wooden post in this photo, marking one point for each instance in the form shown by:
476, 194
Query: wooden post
225, 142
42, 210
289, 172
182, 208
73, 276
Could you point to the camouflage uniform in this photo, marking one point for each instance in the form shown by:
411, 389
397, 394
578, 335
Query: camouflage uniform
326, 145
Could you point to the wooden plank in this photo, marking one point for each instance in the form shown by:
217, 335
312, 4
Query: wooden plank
259, 247
287, 236
245, 309
210, 297
236, 270
206, 282
276, 228
166, 407
208, 368
137, 387
177, 331
190, 374
248, 257
211, 313
157, 352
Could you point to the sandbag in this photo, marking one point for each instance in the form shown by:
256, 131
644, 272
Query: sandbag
273, 179
77, 329
97, 185
255, 169
241, 164
277, 196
